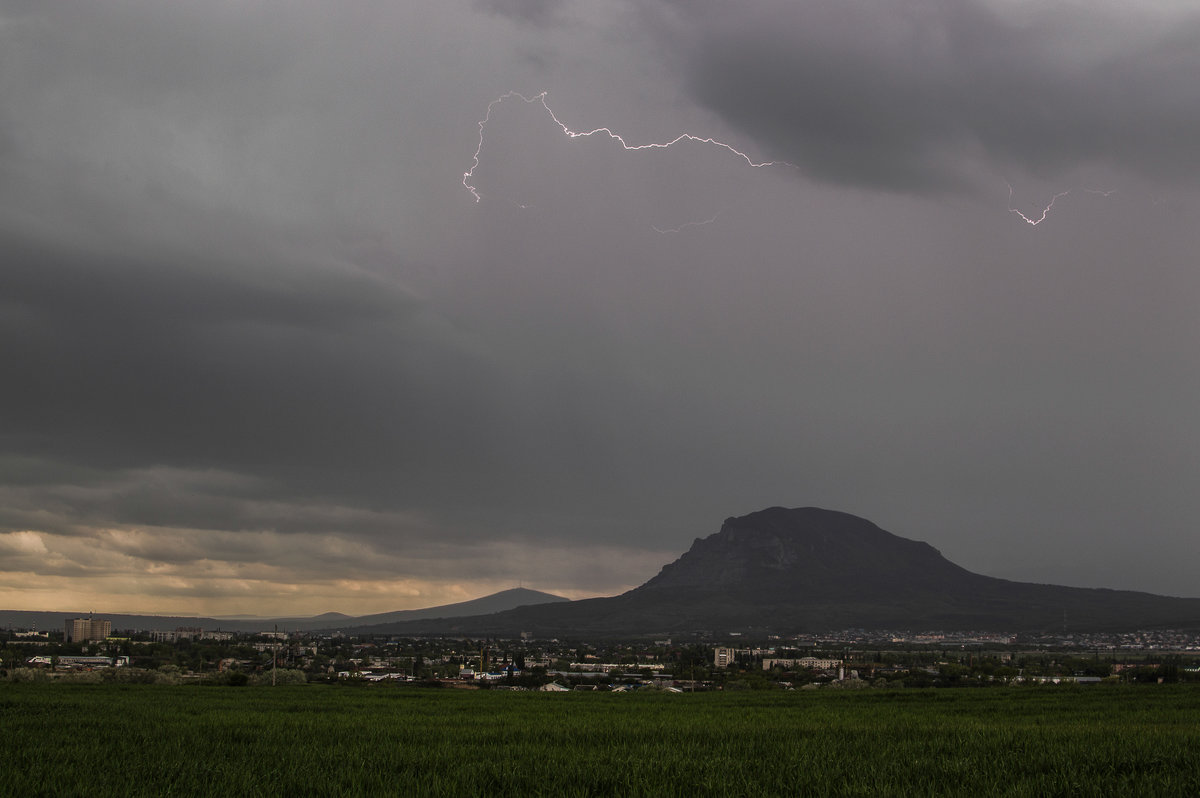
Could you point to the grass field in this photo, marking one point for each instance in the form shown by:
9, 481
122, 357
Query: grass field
100, 740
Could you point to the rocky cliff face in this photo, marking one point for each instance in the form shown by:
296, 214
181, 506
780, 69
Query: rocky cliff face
780, 551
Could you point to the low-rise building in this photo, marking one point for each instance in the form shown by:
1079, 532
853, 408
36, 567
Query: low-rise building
177, 634
67, 661
812, 663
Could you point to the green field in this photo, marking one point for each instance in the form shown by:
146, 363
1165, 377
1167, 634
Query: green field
99, 740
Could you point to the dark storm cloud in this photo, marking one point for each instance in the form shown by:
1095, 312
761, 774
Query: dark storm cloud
193, 280
905, 96
229, 362
274, 361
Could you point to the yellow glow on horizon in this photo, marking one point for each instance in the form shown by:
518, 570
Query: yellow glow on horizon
30, 592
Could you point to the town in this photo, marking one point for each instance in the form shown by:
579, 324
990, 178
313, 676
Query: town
88, 649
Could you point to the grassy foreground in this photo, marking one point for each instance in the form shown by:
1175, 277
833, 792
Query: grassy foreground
99, 740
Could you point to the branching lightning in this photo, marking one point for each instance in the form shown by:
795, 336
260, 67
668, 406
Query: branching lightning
1046, 210
540, 99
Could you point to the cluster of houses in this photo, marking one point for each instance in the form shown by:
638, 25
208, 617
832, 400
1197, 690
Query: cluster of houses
88, 644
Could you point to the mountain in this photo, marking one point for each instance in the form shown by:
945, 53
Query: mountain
496, 602
334, 617
808, 569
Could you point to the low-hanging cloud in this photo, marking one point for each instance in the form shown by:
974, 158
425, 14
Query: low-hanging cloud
908, 97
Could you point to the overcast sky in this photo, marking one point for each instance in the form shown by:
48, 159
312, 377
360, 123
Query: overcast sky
264, 352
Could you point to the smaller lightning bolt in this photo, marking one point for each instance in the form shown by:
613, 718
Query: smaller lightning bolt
540, 99
1046, 211
685, 225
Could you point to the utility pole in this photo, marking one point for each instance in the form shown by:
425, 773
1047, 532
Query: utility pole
275, 655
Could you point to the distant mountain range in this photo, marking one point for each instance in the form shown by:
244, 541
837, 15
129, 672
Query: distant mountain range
330, 621
807, 569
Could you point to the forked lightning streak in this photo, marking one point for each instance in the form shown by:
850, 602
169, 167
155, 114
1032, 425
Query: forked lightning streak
1046, 210
540, 99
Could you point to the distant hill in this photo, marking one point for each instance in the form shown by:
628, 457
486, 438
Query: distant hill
496, 602
808, 569
331, 616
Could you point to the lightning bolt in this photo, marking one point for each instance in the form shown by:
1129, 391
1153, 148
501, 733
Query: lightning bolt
1046, 210
540, 99
681, 227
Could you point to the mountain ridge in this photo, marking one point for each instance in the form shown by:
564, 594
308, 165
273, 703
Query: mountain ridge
809, 570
